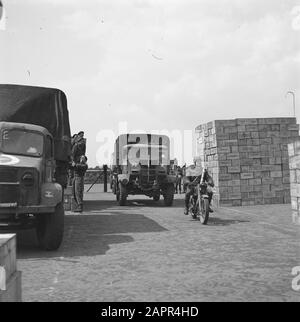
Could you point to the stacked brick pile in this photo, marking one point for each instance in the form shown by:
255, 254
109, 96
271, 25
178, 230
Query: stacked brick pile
249, 159
207, 146
294, 155
10, 278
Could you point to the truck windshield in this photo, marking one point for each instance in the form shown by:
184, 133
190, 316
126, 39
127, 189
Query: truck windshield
138, 153
22, 142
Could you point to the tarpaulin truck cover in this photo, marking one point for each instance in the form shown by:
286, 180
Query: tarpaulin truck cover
45, 107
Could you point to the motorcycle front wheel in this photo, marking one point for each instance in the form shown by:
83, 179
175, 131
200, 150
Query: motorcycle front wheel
204, 211
194, 208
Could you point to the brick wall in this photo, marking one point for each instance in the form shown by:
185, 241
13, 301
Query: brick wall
248, 159
294, 154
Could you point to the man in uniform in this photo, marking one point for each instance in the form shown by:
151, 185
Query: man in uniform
78, 182
71, 170
183, 170
192, 178
178, 180
79, 147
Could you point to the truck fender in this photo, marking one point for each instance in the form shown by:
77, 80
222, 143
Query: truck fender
123, 178
52, 194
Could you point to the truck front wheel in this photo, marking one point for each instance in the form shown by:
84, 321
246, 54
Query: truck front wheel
122, 195
50, 229
156, 197
169, 195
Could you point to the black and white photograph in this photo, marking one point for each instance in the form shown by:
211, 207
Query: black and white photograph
149, 154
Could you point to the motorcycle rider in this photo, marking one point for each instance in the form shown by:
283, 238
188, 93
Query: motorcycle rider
192, 178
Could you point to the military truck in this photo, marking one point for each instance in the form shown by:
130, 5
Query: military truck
34, 157
142, 167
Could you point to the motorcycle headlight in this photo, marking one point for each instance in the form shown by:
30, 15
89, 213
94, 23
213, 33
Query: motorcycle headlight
125, 182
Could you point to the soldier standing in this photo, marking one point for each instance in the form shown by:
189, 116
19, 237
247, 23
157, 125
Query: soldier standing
183, 170
79, 147
78, 182
178, 180
71, 170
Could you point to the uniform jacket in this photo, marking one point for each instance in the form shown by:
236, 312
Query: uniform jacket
80, 169
79, 149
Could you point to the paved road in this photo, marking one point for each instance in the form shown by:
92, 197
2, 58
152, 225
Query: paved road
146, 252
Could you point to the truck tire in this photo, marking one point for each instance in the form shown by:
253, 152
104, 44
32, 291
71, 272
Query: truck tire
50, 229
156, 198
169, 195
114, 188
117, 192
122, 195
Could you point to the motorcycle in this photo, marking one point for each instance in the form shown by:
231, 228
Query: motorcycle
199, 202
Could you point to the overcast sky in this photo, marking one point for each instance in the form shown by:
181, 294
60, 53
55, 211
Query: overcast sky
158, 64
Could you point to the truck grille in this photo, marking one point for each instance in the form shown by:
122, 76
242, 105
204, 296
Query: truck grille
9, 193
148, 176
8, 175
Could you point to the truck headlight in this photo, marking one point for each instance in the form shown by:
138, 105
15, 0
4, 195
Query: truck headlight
27, 180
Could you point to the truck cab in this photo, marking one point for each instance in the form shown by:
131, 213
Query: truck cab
29, 194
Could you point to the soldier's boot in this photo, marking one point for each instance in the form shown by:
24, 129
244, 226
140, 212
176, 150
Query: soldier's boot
79, 209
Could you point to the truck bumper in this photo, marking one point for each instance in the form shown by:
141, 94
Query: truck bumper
14, 209
11, 216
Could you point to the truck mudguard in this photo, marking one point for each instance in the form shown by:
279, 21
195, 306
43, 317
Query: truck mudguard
52, 194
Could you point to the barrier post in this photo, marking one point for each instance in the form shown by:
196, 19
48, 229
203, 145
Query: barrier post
105, 177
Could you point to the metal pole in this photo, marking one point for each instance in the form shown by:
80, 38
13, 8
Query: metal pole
92, 185
105, 177
294, 100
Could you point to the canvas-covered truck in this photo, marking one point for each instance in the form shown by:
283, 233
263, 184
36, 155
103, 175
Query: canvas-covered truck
142, 167
34, 157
